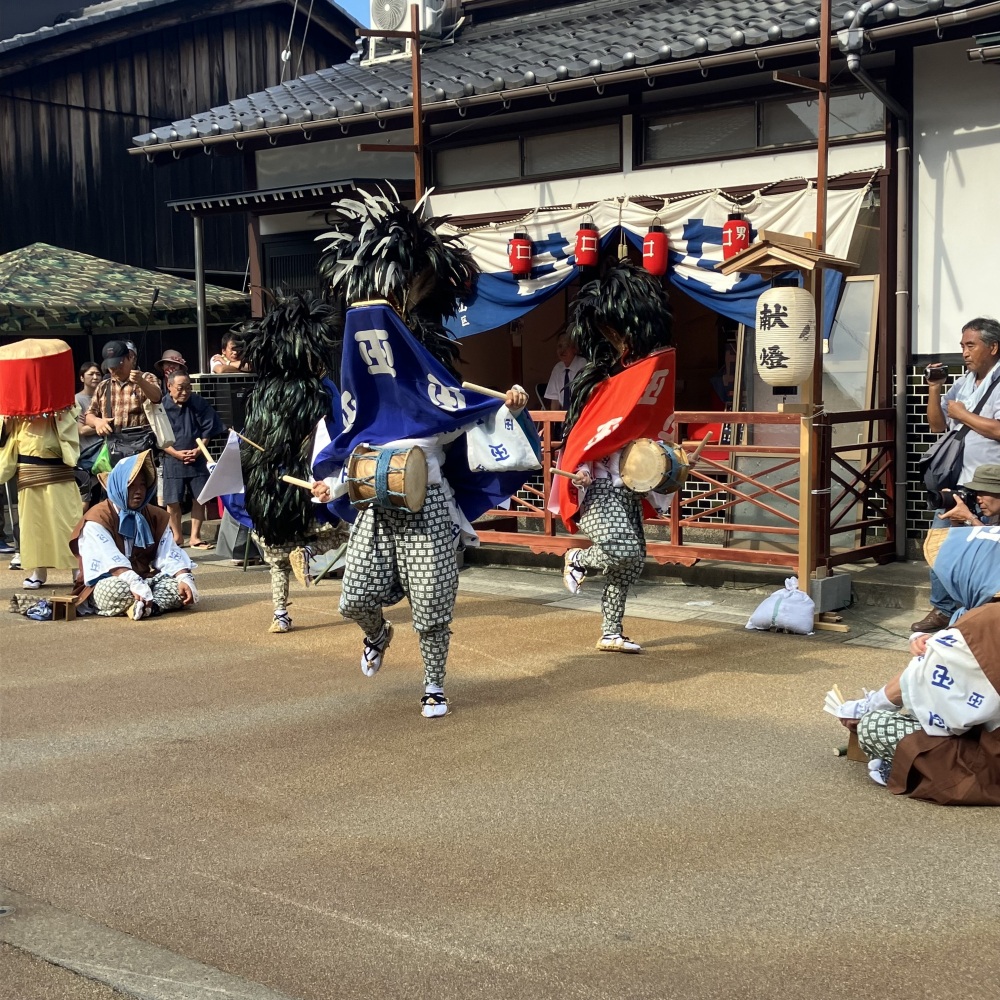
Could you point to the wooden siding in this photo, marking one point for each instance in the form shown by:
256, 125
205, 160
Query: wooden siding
65, 175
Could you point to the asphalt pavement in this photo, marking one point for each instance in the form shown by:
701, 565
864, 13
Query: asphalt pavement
195, 808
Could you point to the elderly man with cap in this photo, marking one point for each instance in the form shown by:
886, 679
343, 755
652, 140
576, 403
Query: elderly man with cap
117, 408
129, 562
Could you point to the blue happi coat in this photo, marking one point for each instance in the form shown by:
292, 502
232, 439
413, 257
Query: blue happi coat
393, 389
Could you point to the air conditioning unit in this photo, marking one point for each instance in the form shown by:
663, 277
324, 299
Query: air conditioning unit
436, 16
394, 15
438, 19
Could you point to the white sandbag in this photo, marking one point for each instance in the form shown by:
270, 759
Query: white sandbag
788, 610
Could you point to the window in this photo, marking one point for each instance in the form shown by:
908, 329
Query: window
493, 161
706, 135
534, 155
563, 152
701, 134
797, 121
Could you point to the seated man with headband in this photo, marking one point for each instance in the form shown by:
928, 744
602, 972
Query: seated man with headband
129, 561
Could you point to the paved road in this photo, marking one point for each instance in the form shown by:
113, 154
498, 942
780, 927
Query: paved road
230, 813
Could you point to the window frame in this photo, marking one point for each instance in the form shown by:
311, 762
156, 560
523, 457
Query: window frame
520, 135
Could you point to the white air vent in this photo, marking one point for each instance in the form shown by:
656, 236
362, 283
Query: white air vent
390, 15
394, 15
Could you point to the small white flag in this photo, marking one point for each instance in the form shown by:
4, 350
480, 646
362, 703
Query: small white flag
227, 475
321, 438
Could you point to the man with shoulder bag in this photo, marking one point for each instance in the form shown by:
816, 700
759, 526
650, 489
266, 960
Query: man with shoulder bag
968, 415
119, 408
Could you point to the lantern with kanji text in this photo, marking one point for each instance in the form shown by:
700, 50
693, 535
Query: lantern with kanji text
655, 249
519, 253
735, 235
786, 335
588, 243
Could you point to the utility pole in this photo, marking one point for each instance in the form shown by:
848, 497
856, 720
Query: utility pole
417, 148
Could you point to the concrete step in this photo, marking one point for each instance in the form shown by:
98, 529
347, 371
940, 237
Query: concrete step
900, 585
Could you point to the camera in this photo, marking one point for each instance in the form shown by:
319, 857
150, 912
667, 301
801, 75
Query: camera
936, 372
950, 497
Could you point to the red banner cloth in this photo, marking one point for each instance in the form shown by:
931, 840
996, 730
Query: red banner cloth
636, 403
36, 377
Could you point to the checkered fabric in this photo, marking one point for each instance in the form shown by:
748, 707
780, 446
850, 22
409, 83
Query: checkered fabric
112, 597
322, 539
121, 402
392, 554
612, 518
879, 733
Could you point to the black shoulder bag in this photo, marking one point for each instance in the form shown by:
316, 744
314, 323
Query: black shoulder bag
941, 465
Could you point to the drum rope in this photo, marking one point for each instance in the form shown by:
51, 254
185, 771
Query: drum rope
383, 466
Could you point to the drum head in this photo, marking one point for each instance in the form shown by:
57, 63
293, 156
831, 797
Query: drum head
360, 492
644, 465
415, 479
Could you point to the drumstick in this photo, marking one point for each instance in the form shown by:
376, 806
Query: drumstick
562, 472
483, 391
253, 444
701, 444
298, 482
200, 442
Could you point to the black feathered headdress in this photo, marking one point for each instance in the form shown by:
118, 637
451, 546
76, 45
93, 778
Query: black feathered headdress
383, 250
290, 349
617, 319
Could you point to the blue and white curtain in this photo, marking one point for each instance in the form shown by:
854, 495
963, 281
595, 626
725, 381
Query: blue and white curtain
694, 226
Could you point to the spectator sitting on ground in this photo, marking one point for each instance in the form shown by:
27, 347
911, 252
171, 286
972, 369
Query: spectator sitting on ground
129, 562
934, 730
569, 365
90, 378
185, 469
228, 362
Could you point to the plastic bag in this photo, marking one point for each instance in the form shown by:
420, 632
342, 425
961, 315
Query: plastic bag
788, 610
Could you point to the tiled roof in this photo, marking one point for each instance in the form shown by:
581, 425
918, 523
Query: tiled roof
94, 14
585, 39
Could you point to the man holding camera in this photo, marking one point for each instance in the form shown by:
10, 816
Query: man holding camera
954, 408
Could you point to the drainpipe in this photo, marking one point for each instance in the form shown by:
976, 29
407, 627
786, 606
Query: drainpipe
852, 41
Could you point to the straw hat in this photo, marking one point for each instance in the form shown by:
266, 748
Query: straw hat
143, 464
170, 357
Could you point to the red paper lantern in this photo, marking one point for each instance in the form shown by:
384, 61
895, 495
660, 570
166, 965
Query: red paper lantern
588, 245
519, 253
655, 250
36, 377
735, 236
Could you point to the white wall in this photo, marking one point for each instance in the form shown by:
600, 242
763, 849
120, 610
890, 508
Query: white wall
748, 170
956, 140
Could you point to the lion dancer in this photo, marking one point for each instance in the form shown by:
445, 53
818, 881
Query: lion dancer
621, 323
292, 349
400, 391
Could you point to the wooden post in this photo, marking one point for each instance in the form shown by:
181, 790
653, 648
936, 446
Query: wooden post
418, 124
812, 395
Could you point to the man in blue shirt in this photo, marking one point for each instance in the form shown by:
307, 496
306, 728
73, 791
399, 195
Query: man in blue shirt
185, 469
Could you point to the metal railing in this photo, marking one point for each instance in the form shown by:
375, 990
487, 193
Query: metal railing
741, 502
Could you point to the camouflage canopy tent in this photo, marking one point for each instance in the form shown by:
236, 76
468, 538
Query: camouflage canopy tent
47, 288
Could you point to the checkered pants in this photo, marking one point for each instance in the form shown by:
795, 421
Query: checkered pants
112, 597
879, 733
392, 554
612, 517
320, 540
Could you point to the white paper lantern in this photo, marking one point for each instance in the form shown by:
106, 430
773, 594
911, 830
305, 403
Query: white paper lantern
786, 335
